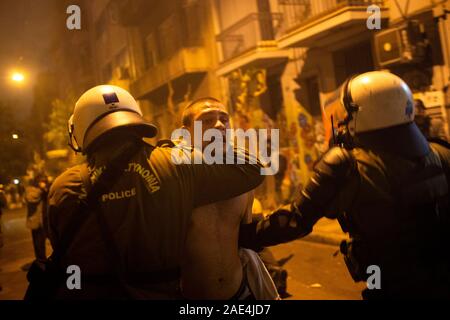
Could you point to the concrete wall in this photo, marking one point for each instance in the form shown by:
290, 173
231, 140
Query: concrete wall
232, 11
109, 42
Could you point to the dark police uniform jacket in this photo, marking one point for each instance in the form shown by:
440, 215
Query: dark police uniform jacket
148, 211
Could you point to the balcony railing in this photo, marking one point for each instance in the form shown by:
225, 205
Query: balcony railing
297, 13
253, 31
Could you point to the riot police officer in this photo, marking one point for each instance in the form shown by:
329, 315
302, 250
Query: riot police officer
129, 242
388, 188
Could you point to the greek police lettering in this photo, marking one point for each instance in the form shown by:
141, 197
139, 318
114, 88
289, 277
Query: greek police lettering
150, 179
148, 176
196, 310
95, 173
119, 195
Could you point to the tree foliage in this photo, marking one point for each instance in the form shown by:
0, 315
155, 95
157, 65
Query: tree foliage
56, 135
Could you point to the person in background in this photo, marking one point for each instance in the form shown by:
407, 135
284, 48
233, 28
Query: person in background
36, 200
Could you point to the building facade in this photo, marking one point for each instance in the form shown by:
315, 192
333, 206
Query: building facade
273, 62
173, 56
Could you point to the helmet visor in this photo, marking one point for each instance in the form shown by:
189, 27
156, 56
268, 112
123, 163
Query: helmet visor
119, 119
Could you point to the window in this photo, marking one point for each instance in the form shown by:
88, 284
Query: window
312, 87
352, 60
309, 95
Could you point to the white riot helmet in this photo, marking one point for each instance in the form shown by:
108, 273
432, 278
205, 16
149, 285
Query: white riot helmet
376, 100
380, 112
102, 109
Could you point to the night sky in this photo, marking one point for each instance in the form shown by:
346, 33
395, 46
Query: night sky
26, 31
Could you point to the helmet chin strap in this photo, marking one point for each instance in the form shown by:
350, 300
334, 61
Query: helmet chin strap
345, 135
73, 144
354, 116
350, 107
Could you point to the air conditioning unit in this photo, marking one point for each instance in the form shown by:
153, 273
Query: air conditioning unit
400, 45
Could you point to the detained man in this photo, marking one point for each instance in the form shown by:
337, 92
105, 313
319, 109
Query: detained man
213, 266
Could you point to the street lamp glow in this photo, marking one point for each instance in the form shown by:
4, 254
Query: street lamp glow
16, 181
15, 136
17, 77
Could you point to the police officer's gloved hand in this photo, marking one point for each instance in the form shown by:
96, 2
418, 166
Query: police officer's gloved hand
283, 225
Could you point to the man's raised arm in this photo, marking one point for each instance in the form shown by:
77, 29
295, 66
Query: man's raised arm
217, 182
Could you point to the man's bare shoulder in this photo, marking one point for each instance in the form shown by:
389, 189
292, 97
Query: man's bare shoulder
235, 206
238, 200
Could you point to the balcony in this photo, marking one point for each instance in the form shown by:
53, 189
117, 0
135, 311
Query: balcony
185, 62
176, 53
251, 42
308, 23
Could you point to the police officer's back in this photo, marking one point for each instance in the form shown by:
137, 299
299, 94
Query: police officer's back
388, 188
146, 209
